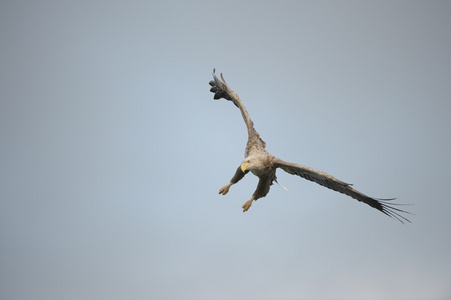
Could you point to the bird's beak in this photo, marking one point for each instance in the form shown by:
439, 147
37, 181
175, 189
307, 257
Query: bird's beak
244, 166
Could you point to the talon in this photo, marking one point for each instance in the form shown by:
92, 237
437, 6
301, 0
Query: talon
225, 189
247, 205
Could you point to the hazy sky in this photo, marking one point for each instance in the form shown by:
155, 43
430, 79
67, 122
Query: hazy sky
113, 150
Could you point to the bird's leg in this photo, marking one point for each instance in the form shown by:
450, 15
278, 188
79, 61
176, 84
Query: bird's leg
262, 190
239, 174
225, 189
248, 204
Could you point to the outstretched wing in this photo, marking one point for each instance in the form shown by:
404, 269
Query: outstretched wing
333, 183
222, 90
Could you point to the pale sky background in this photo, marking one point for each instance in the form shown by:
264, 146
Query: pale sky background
113, 150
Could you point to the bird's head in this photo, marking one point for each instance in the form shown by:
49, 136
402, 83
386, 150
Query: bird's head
245, 165
250, 163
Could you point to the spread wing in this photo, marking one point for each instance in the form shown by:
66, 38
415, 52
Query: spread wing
332, 183
222, 90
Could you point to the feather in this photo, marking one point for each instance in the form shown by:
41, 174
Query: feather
264, 165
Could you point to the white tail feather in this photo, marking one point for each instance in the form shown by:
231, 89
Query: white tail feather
281, 186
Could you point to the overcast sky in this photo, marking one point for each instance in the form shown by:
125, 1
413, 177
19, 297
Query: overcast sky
113, 150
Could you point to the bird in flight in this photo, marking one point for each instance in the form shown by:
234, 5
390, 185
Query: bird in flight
264, 165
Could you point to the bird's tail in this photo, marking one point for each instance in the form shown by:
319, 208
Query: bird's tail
281, 185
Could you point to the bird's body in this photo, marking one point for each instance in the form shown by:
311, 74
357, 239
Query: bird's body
264, 165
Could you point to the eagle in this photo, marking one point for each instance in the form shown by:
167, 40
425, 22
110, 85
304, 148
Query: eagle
264, 165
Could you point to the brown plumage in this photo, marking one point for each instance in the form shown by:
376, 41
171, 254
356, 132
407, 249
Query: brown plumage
264, 165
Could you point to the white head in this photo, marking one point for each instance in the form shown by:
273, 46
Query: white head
252, 163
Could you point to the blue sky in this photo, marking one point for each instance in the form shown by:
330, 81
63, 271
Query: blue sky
113, 150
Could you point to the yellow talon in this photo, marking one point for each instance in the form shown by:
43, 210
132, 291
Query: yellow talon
247, 205
225, 189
